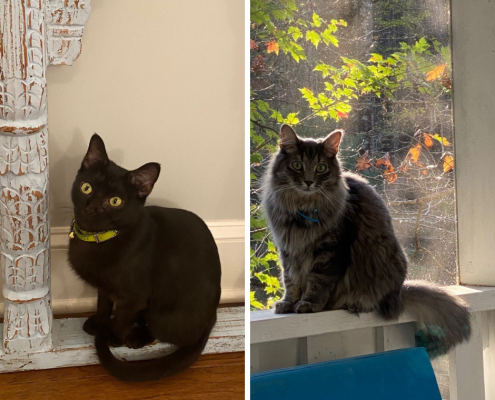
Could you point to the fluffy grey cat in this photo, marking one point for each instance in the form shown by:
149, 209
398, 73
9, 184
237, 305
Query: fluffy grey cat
338, 247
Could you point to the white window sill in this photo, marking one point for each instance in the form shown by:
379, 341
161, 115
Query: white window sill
267, 326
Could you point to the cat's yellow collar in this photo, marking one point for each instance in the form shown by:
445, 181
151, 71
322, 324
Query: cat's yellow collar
96, 237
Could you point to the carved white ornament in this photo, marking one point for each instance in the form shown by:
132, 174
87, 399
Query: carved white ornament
33, 34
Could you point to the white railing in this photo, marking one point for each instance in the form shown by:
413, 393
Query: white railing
279, 341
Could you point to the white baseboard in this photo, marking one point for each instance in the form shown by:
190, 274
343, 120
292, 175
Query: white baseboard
223, 231
88, 304
70, 296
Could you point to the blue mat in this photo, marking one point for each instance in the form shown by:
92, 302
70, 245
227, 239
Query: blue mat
394, 375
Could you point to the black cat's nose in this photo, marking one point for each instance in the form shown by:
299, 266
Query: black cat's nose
92, 211
308, 183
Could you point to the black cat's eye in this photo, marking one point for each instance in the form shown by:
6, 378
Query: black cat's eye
86, 188
297, 165
115, 201
320, 168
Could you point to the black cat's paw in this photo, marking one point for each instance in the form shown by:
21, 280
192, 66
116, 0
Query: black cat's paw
114, 335
305, 307
114, 340
283, 307
92, 325
139, 337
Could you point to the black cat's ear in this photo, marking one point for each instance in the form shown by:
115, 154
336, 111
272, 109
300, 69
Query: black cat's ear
144, 178
332, 141
96, 153
288, 138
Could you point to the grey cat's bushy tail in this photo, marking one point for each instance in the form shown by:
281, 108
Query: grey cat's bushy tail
443, 320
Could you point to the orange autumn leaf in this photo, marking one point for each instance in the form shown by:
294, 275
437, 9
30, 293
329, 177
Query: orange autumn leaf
446, 81
342, 114
390, 175
448, 163
258, 65
412, 156
363, 162
414, 153
428, 141
272, 47
253, 45
435, 73
385, 160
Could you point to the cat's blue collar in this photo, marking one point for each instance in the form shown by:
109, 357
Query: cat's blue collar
309, 218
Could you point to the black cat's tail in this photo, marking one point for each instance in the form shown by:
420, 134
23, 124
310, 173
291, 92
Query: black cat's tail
149, 370
443, 320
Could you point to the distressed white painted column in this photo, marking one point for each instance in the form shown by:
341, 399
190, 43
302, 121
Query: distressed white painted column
33, 34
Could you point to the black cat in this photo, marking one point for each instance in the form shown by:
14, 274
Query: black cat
159, 267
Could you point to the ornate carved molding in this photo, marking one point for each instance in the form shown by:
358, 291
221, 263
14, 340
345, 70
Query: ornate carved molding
66, 19
33, 34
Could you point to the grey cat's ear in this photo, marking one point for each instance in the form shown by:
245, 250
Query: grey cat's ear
144, 178
96, 153
288, 138
332, 141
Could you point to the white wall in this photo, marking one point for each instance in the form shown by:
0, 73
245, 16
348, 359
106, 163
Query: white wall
159, 81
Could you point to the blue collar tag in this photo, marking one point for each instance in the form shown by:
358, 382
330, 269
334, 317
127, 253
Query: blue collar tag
309, 218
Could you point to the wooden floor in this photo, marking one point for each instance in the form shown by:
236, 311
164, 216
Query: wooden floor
214, 376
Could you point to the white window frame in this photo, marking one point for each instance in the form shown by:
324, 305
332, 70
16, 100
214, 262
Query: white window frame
285, 340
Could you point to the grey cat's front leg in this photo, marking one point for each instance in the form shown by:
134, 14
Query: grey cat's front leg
316, 295
291, 296
320, 282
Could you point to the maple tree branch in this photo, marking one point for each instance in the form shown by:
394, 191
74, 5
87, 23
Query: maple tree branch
261, 90
416, 227
418, 243
260, 146
263, 126
422, 200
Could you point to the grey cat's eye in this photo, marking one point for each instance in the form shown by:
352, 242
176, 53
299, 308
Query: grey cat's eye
320, 168
297, 165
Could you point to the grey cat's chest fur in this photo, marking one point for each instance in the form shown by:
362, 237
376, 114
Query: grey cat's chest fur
295, 236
